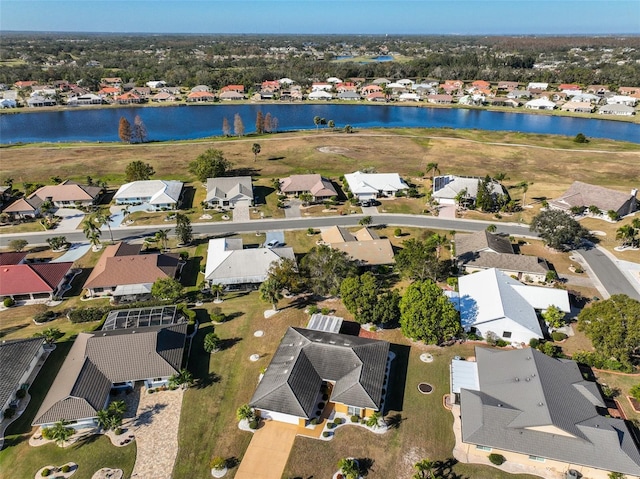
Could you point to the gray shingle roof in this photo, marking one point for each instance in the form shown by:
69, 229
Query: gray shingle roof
584, 194
306, 357
15, 357
99, 359
508, 262
229, 188
522, 392
482, 241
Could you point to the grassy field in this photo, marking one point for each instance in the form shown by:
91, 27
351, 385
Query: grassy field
18, 460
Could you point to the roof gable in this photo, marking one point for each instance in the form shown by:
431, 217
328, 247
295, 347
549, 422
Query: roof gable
32, 278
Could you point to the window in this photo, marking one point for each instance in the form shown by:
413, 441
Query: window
484, 448
353, 411
506, 334
537, 458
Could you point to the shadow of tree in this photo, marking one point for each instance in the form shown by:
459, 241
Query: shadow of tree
206, 381
229, 343
394, 420
365, 465
444, 469
147, 414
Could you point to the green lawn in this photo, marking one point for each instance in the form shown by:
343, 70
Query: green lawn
92, 454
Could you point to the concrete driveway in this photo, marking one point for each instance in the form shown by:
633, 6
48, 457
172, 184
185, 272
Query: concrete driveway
268, 451
241, 212
293, 209
71, 218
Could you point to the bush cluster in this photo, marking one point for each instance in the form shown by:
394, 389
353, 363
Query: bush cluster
497, 459
355, 418
20, 393
45, 472
8, 302
87, 315
598, 361
44, 316
558, 336
66, 468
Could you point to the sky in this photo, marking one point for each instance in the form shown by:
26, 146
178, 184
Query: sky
423, 17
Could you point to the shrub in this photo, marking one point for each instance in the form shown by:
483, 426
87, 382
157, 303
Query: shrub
118, 431
325, 311
253, 424
635, 392
86, 315
373, 328
355, 418
397, 232
187, 313
151, 391
313, 309
534, 342
325, 397
8, 302
501, 343
45, 472
9, 413
66, 468
184, 255
320, 405
44, 316
331, 425
497, 459
558, 336
326, 434
337, 421
218, 463
20, 393
313, 421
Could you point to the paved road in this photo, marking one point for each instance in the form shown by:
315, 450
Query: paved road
132, 232
613, 280
608, 273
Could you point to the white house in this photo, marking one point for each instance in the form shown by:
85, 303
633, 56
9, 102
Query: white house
616, 109
319, 86
447, 188
409, 97
156, 84
491, 300
228, 192
158, 194
540, 104
320, 95
229, 264
369, 186
622, 100
537, 86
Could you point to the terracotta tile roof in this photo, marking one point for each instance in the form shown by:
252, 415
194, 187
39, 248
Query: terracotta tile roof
67, 191
109, 90
24, 205
313, 183
200, 94
114, 268
32, 278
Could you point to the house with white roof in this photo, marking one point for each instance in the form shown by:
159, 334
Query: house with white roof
409, 97
622, 100
491, 300
447, 188
228, 263
158, 194
227, 192
320, 95
537, 86
540, 104
156, 84
369, 186
616, 109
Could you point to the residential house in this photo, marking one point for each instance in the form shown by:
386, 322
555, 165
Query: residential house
163, 96
18, 359
371, 89
501, 101
231, 96
369, 186
127, 275
568, 87
484, 250
143, 92
599, 90
230, 264
100, 361
481, 85
346, 86
493, 301
618, 110
199, 96
37, 101
9, 99
381, 81
227, 192
320, 86
577, 107
108, 92
200, 88
64, 195
319, 95
364, 246
622, 100
536, 410
349, 96
320, 188
128, 98
334, 80
472, 100
540, 104
86, 99
272, 85
24, 84
440, 99
508, 85
586, 97
236, 88
605, 199
629, 90
376, 96
156, 84
518, 94
286, 81
33, 281
540, 86
115, 82
409, 97
158, 194
308, 362
449, 189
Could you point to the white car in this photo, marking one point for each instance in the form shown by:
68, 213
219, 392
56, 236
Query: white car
273, 244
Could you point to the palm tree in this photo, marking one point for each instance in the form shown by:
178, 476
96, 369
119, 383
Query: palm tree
424, 469
105, 219
626, 234
365, 221
349, 468
331, 124
636, 223
59, 432
491, 228
433, 169
316, 121
89, 228
245, 412
217, 289
255, 149
50, 335
438, 241
104, 419
271, 292
501, 175
163, 237
524, 186
118, 408
594, 210
183, 378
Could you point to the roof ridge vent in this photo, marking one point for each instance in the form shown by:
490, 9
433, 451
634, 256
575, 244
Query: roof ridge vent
517, 379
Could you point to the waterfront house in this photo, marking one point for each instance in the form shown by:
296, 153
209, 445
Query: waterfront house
236, 88
618, 110
540, 104
622, 100
448, 189
231, 95
309, 363
585, 195
577, 107
319, 95
369, 186
440, 99
537, 411
507, 85
64, 195
200, 96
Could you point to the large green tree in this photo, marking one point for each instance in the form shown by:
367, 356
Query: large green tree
558, 229
325, 268
613, 326
426, 314
138, 171
271, 292
167, 289
184, 230
386, 311
209, 164
417, 260
359, 295
285, 272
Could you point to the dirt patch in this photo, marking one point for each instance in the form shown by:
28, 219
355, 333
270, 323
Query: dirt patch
338, 150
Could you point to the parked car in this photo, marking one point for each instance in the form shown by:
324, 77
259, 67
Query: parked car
273, 244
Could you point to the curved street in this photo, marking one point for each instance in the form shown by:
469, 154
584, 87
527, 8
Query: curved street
606, 271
